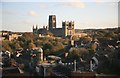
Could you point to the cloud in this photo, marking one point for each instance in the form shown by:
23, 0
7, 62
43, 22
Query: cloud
9, 12
26, 21
33, 13
43, 5
98, 1
74, 4
114, 4
58, 0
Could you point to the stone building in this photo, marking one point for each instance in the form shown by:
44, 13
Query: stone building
66, 30
52, 22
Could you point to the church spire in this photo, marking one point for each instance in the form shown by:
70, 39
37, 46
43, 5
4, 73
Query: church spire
33, 26
36, 26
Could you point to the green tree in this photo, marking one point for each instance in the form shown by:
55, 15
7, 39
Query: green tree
66, 41
5, 44
47, 45
31, 46
75, 38
49, 33
77, 53
17, 45
85, 39
93, 47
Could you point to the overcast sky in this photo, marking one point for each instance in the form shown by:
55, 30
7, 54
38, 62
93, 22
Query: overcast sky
20, 15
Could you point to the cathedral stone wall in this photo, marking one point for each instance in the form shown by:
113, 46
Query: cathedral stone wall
66, 30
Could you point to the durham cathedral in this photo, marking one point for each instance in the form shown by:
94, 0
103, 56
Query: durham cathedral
66, 30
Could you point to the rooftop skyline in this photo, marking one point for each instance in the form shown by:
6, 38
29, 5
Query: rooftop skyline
20, 16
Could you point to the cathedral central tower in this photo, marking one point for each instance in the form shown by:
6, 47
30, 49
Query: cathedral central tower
52, 22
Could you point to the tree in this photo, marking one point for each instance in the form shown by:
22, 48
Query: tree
75, 38
38, 43
77, 53
29, 36
93, 47
17, 45
47, 45
66, 41
85, 39
31, 46
49, 33
5, 44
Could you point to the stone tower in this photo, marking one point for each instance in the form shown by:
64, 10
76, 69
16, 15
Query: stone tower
68, 28
35, 29
52, 22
